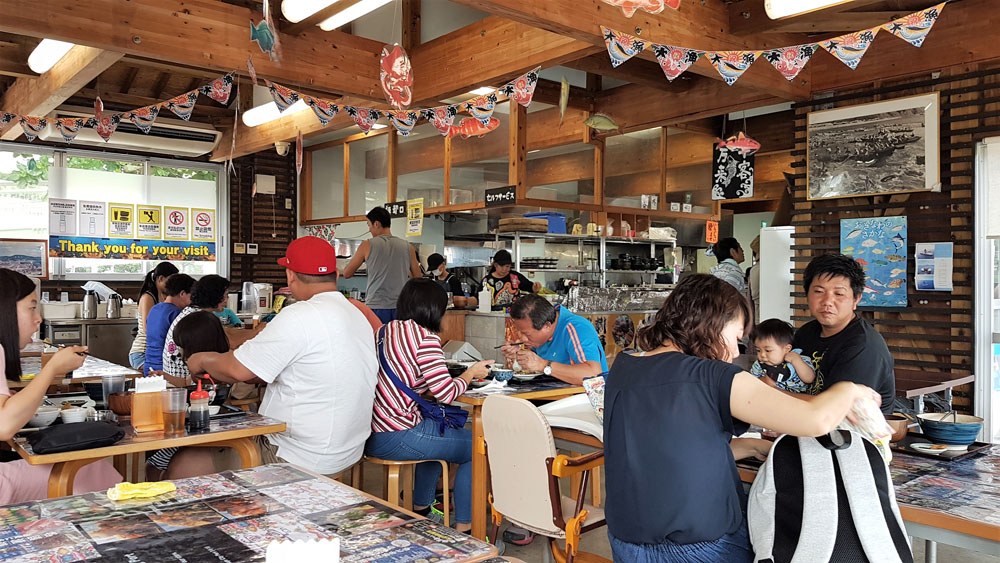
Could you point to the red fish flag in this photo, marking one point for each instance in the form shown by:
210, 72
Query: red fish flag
522, 88
472, 127
629, 7
219, 88
441, 117
104, 123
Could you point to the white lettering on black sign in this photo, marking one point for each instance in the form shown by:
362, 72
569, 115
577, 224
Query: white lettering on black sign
505, 195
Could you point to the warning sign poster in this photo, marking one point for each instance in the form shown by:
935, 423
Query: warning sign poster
175, 224
121, 220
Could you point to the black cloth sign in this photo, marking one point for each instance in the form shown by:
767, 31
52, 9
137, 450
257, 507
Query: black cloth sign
732, 174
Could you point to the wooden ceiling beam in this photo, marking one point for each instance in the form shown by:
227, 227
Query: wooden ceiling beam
846, 22
14, 60
202, 33
642, 72
39, 96
317, 18
699, 25
411, 24
117, 101
748, 16
547, 92
129, 80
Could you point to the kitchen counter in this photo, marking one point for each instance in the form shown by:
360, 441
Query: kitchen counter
68, 322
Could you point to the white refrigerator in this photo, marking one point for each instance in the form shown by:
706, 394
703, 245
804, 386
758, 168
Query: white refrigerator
776, 273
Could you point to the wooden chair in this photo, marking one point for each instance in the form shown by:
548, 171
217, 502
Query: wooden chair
525, 473
398, 477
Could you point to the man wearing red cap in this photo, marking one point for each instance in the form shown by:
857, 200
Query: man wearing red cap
318, 358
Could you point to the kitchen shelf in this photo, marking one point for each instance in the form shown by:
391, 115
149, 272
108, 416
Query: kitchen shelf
634, 272
561, 271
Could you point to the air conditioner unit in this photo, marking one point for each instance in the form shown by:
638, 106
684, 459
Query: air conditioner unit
166, 137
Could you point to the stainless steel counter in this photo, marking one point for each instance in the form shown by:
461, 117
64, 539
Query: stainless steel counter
108, 339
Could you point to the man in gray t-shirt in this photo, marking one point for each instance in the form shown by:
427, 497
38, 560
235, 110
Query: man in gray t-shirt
391, 262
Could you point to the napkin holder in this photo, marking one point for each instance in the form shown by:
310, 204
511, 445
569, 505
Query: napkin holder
147, 404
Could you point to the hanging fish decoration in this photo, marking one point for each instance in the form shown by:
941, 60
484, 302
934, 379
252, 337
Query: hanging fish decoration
472, 127
262, 34
69, 127
7, 117
629, 7
182, 105
325, 110
732, 64
850, 47
143, 118
745, 145
790, 61
298, 154
481, 107
675, 60
219, 88
601, 122
563, 98
251, 71
403, 121
914, 28
396, 76
621, 46
32, 126
104, 123
365, 118
522, 88
441, 117
283, 97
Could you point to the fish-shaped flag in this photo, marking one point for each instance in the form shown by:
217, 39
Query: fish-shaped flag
850, 47
219, 88
481, 107
790, 60
325, 110
144, 117
914, 28
32, 126
262, 34
298, 154
601, 122
629, 7
522, 88
182, 105
563, 98
472, 127
732, 64
675, 60
621, 46
104, 123
740, 142
365, 118
69, 127
396, 76
441, 117
403, 121
251, 70
283, 97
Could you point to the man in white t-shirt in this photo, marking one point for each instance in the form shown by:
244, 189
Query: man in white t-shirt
318, 359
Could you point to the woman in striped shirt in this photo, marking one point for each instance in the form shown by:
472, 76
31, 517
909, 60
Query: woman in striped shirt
413, 352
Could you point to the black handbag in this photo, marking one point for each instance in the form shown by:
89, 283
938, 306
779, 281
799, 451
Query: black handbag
75, 436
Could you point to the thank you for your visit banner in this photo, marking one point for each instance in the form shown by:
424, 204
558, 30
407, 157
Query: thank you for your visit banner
131, 249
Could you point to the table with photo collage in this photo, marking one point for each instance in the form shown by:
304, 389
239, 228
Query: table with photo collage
229, 516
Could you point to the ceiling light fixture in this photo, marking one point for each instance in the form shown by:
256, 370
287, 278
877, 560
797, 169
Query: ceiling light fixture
483, 91
269, 112
298, 10
777, 9
351, 13
47, 54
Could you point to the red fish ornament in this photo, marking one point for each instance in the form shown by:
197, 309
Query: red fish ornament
396, 76
472, 127
629, 7
741, 143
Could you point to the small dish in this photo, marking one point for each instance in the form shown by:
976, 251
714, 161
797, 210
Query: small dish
929, 448
73, 414
44, 416
526, 376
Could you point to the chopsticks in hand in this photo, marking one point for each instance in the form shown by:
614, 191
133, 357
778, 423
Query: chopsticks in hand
511, 344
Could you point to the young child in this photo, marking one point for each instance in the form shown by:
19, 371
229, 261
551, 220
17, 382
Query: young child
787, 368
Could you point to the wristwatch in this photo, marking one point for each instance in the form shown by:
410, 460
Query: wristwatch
547, 370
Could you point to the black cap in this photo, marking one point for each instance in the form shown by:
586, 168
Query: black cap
434, 260
502, 258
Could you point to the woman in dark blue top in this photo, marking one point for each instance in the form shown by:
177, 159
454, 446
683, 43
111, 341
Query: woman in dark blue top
671, 412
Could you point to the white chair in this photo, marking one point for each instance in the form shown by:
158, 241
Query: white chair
525, 472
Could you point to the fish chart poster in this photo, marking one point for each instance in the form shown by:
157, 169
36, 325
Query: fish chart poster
879, 245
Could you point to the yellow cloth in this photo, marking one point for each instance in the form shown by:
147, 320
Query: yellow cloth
125, 491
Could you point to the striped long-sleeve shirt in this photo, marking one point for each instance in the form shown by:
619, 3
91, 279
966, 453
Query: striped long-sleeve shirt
414, 354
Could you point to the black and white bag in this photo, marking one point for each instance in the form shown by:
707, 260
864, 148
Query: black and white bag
826, 499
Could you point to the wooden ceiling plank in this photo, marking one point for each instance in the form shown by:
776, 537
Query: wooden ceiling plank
547, 92
642, 72
749, 17
129, 79
161, 84
846, 22
201, 33
39, 96
13, 61
317, 18
411, 24
696, 25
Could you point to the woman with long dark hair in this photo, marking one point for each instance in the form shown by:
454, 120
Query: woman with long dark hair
19, 319
150, 294
671, 412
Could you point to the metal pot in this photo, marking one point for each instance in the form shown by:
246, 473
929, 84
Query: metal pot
90, 305
115, 306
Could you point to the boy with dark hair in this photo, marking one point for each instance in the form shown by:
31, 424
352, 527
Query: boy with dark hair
842, 345
162, 315
777, 362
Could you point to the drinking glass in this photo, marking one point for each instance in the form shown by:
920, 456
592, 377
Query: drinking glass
174, 409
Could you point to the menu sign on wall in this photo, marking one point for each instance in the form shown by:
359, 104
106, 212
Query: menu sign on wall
149, 221
121, 220
202, 224
62, 216
175, 223
496, 197
92, 218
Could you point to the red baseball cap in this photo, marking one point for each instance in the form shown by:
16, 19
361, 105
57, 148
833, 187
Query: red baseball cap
310, 255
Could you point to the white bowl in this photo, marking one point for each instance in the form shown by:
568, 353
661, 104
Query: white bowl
213, 409
73, 414
44, 416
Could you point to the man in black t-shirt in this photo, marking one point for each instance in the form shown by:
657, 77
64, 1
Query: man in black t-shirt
505, 284
842, 345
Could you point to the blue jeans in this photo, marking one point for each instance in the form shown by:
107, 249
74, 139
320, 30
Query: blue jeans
424, 441
136, 359
385, 315
730, 548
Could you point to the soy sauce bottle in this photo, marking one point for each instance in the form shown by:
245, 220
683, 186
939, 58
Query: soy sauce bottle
199, 409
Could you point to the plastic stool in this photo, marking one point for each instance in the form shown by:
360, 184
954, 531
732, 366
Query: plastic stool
394, 469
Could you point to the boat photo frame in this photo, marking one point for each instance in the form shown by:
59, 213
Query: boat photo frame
27, 256
880, 148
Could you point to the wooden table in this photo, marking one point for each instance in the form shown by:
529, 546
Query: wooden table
92, 370
914, 384
231, 516
235, 432
543, 391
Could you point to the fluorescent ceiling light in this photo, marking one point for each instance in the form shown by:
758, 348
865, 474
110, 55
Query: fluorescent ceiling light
482, 91
269, 112
298, 10
47, 54
777, 9
379, 126
351, 13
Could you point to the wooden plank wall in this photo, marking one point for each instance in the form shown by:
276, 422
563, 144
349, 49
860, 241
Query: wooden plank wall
935, 331
262, 219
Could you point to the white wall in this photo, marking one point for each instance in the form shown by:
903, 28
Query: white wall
746, 226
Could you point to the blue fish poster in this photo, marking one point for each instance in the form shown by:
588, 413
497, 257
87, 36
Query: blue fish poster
879, 245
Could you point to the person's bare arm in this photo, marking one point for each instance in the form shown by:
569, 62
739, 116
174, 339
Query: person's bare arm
414, 264
359, 257
802, 369
145, 305
570, 373
16, 410
744, 448
224, 368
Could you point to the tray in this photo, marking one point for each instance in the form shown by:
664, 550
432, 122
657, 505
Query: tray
903, 446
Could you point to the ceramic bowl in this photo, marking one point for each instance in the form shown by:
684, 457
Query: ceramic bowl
73, 414
44, 416
955, 429
121, 403
214, 409
502, 374
899, 424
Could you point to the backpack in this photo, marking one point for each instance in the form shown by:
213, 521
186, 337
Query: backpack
826, 499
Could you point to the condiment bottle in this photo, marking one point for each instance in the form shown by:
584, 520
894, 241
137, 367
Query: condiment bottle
199, 409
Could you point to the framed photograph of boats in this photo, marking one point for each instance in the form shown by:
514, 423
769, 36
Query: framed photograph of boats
881, 148
29, 257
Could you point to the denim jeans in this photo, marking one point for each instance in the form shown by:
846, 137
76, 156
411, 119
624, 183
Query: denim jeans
730, 548
424, 441
136, 359
385, 315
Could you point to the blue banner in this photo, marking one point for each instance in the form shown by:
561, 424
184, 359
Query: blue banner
131, 249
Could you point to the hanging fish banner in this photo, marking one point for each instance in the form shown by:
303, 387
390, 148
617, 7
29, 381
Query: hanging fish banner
32, 126
629, 7
69, 127
325, 110
481, 107
183, 105
143, 118
440, 117
219, 88
789, 61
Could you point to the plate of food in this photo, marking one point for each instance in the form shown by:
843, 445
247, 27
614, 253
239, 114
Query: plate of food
935, 448
523, 376
70, 402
